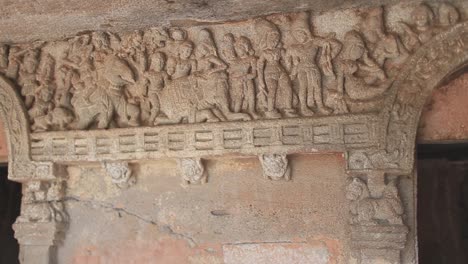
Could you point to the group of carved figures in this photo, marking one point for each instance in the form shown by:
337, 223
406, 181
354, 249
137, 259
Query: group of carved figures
103, 80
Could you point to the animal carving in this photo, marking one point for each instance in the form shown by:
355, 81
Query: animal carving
368, 210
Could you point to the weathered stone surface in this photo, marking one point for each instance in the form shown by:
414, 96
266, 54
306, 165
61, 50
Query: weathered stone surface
51, 19
3, 145
206, 99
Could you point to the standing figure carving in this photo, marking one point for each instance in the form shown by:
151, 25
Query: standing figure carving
63, 78
212, 90
302, 61
273, 80
133, 52
27, 76
242, 73
174, 100
158, 79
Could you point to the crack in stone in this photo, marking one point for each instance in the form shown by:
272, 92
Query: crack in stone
164, 228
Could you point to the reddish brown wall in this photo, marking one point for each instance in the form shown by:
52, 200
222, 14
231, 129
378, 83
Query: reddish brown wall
446, 115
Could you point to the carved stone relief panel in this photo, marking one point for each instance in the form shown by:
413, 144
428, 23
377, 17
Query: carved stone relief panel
265, 68
276, 83
266, 87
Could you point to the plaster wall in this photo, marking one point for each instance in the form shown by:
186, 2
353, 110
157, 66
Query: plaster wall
239, 217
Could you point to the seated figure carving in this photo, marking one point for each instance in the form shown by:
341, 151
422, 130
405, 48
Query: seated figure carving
358, 74
368, 210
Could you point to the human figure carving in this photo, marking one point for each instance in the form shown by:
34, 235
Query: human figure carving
212, 91
358, 74
302, 58
43, 105
63, 77
227, 48
158, 79
385, 48
368, 210
175, 99
422, 29
273, 80
27, 77
118, 74
242, 72
177, 37
448, 15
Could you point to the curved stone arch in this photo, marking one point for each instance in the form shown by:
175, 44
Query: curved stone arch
14, 118
438, 59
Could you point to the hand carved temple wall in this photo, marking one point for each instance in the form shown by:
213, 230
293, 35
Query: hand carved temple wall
278, 87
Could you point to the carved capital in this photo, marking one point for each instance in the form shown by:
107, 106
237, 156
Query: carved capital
41, 226
120, 173
192, 171
275, 167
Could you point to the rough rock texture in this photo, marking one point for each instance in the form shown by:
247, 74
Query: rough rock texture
26, 20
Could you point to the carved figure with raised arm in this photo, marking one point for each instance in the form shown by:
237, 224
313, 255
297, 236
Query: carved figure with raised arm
303, 66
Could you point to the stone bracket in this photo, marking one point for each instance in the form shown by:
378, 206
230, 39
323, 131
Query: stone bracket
275, 167
120, 173
192, 171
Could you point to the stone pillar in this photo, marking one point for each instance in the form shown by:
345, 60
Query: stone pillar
42, 223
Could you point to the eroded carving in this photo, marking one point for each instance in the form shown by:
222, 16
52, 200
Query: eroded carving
192, 171
277, 69
120, 173
42, 202
275, 167
368, 210
377, 229
43, 219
